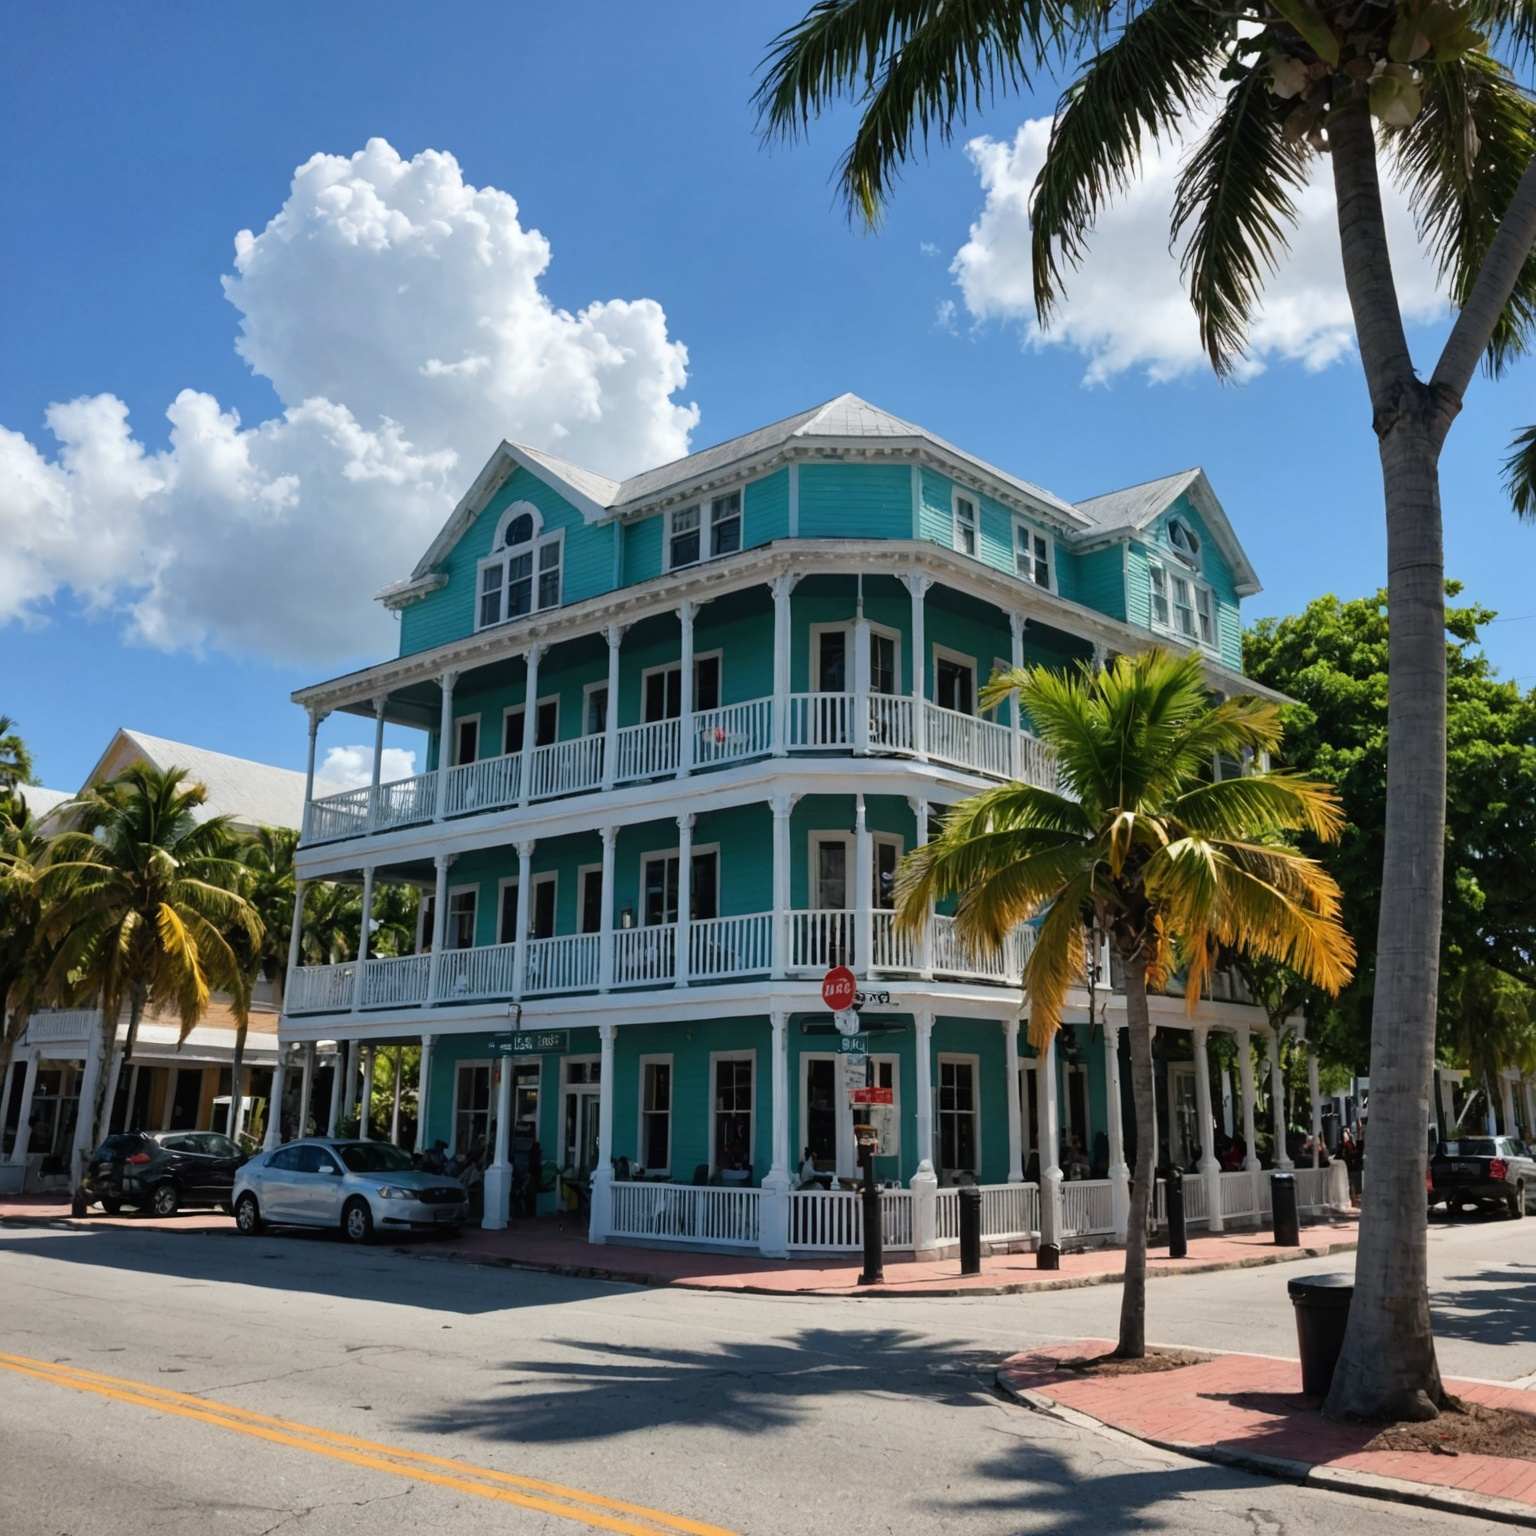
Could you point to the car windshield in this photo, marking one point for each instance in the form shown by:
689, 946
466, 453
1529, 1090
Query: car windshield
1475, 1146
373, 1157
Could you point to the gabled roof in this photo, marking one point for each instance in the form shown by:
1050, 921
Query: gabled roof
1132, 509
41, 803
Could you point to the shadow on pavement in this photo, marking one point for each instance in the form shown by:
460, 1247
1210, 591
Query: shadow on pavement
316, 1263
1495, 1307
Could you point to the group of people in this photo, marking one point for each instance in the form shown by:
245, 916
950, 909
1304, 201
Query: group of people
468, 1166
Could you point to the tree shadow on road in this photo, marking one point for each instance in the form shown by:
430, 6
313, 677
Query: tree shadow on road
1497, 1306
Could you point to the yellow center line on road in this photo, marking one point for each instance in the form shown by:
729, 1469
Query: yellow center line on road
591, 1509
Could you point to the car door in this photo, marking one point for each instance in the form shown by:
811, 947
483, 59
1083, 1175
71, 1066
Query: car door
321, 1186
278, 1185
221, 1157
195, 1167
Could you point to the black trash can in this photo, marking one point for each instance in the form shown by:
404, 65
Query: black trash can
1322, 1310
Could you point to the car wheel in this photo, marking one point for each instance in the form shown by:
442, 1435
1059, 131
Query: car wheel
357, 1221
248, 1215
165, 1201
111, 1207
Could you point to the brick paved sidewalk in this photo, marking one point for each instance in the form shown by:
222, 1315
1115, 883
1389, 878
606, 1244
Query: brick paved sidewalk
1248, 1410
553, 1245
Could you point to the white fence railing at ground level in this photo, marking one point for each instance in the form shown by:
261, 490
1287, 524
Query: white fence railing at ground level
715, 1215
833, 1220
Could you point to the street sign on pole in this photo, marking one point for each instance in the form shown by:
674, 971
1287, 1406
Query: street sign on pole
853, 1045
838, 988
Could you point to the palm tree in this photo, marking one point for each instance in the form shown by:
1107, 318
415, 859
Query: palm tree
1415, 81
140, 897
1488, 1024
15, 760
22, 947
332, 915
1170, 867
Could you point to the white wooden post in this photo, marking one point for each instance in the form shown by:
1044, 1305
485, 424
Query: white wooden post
1316, 1096
22, 1145
338, 1087
683, 929
1529, 1094
861, 677
863, 892
1119, 1174
781, 806
922, 812
365, 1098
918, 586
685, 616
609, 837
306, 1085
602, 1176
498, 1177
783, 587
773, 1207
442, 863
1245, 1088
1016, 623
1210, 1169
1507, 1104
274, 1131
1015, 1108
423, 1092
85, 1127
1277, 1105
524, 877
109, 1103
364, 927
394, 1112
530, 721
444, 743
1049, 1147
295, 938
615, 637
315, 717
925, 1182
375, 773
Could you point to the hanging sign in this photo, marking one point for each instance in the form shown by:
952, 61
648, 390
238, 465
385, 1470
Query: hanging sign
874, 1095
535, 1042
838, 988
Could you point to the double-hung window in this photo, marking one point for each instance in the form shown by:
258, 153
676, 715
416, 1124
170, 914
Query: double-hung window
683, 544
957, 1115
1205, 613
965, 524
655, 1149
522, 574
1031, 554
1181, 605
731, 1142
1158, 580
704, 531
725, 525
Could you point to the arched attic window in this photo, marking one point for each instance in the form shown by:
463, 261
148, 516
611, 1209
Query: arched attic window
522, 572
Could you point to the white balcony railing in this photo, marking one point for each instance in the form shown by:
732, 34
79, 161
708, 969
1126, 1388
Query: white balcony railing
467, 974
567, 963
404, 802
321, 988
338, 816
890, 722
396, 981
647, 751
488, 785
729, 946
893, 950
968, 741
732, 733
820, 722
645, 956
820, 939
953, 957
565, 768
1009, 1210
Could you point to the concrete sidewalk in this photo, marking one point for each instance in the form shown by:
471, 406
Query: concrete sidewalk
1248, 1411
552, 1245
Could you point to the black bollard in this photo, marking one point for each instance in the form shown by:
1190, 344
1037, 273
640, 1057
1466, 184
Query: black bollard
1282, 1198
1178, 1243
1048, 1256
874, 1259
970, 1230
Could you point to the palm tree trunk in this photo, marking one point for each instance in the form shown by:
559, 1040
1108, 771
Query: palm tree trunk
232, 1125
1388, 1369
1133, 1297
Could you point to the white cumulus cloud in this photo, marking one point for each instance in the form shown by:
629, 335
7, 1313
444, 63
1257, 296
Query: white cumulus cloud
1127, 309
352, 767
398, 313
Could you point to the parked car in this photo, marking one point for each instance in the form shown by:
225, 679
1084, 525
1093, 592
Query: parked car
161, 1171
361, 1187
1483, 1170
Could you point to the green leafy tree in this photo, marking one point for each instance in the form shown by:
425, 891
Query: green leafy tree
1276, 84
23, 948
1173, 869
140, 897
15, 760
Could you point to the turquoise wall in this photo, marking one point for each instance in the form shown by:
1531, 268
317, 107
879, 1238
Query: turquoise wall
855, 501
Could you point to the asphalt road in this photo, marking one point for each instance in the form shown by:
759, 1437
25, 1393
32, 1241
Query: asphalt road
157, 1384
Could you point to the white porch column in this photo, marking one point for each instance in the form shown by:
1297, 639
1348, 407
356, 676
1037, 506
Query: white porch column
394, 1110
1245, 1087
1015, 1107
783, 587
1016, 623
444, 743
1278, 1127
1210, 1169
615, 637
609, 838
365, 1095
863, 893
602, 1176
1507, 1104
380, 704
364, 932
524, 876
861, 677
423, 1092
1049, 1149
685, 616
442, 863
274, 1131
23, 1142
925, 1182
295, 936
1530, 1109
1228, 1125
498, 1177
1316, 1096
922, 811
530, 721
1119, 1174
683, 930
315, 717
338, 1087
306, 1085
781, 806
918, 587
349, 1102
7, 1092
109, 1104
773, 1203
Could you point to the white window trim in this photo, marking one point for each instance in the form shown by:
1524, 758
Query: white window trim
498, 556
702, 508
1190, 558
646, 673
1176, 570
708, 523
815, 837
582, 871
461, 720
474, 924
974, 1061
599, 686
960, 659
714, 1058
657, 1059
569, 1090
1035, 531
848, 627
490, 1108
522, 709
956, 496
646, 859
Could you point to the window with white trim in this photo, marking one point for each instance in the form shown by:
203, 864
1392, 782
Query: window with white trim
521, 575
1032, 554
683, 544
654, 1151
1205, 614
725, 524
731, 1105
1181, 605
1183, 540
965, 524
704, 530
958, 1140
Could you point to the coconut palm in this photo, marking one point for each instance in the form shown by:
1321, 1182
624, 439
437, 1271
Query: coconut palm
332, 915
1140, 846
22, 948
15, 760
1271, 86
140, 899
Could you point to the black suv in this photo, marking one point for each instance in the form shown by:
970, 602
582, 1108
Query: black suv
161, 1171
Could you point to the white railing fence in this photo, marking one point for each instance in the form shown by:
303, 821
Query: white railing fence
396, 981
565, 767
1312, 1188
647, 751
566, 963
732, 733
833, 1220
405, 801
693, 1213
321, 988
820, 938
968, 741
893, 950
644, 956
488, 785
1010, 1210
820, 722
334, 816
1237, 1194
465, 974
730, 946
1087, 1207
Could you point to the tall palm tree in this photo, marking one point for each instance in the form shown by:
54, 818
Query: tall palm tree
1413, 81
332, 914
140, 898
15, 759
1173, 869
23, 951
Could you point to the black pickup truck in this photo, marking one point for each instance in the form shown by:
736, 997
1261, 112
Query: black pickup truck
1482, 1170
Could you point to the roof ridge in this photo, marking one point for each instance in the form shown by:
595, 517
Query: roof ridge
1137, 485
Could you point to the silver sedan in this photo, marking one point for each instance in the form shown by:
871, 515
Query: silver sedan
362, 1187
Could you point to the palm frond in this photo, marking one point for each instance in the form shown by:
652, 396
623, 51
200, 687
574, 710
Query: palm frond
1058, 960
1520, 475
1259, 804
1511, 25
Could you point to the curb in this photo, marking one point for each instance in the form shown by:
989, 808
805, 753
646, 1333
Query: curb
1305, 1474
914, 1291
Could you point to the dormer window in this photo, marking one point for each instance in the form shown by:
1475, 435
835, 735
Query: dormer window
965, 525
1181, 605
1184, 541
521, 575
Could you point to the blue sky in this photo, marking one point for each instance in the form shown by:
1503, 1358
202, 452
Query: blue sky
139, 140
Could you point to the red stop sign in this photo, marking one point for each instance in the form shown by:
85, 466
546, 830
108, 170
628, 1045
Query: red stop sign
838, 987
